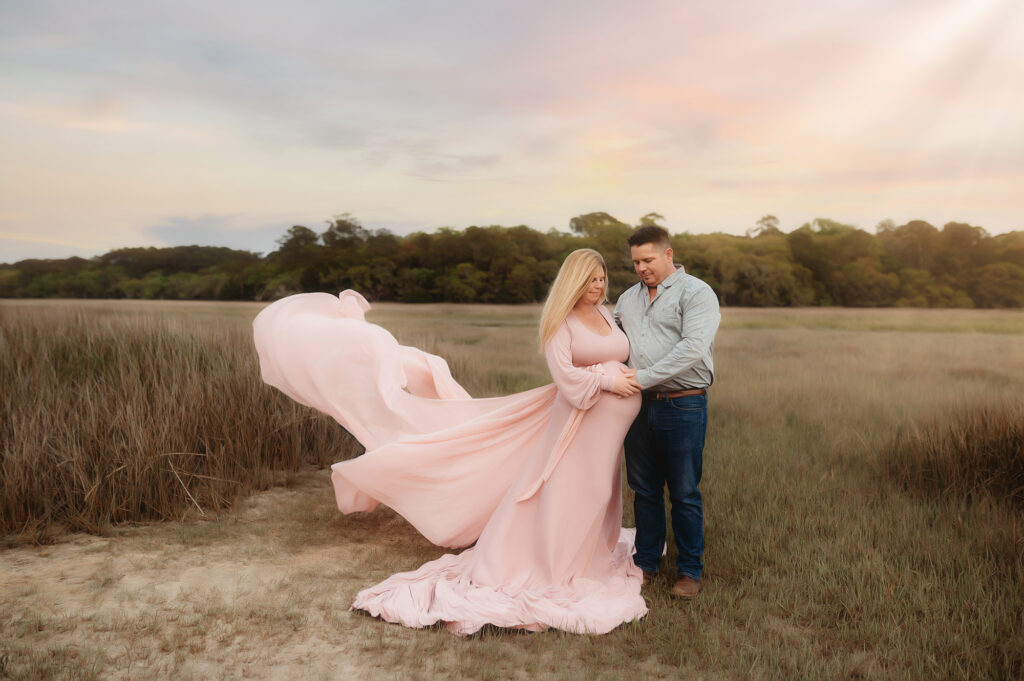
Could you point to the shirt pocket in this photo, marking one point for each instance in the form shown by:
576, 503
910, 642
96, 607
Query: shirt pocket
667, 317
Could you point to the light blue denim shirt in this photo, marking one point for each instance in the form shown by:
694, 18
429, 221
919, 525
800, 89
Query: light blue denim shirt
671, 337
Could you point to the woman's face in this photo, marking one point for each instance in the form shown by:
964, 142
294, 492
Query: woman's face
595, 291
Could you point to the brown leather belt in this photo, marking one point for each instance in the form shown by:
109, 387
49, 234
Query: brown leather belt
677, 393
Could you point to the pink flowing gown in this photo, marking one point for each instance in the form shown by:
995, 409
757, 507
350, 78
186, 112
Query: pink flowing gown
532, 478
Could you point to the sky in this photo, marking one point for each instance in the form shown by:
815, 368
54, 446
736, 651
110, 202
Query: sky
224, 123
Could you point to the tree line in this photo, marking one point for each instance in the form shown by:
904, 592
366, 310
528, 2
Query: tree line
823, 262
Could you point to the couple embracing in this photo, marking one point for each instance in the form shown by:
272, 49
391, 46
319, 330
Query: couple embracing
529, 482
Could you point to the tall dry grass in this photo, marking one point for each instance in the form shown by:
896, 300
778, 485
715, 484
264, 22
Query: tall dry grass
107, 417
817, 553
973, 455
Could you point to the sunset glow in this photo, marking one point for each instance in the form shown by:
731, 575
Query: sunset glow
224, 124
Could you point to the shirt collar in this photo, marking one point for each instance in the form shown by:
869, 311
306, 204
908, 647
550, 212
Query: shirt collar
673, 278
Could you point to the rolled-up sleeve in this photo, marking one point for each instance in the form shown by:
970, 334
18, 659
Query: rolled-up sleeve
581, 386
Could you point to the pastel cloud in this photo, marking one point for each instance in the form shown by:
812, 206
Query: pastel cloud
120, 121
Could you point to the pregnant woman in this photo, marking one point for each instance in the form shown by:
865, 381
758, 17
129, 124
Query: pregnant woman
533, 478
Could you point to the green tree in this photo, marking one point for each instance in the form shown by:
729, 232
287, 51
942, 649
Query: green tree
767, 226
651, 219
961, 248
997, 285
825, 248
344, 233
462, 284
300, 259
415, 285
862, 284
912, 245
823, 262
376, 280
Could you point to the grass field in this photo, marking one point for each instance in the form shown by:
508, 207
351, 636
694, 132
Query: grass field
824, 559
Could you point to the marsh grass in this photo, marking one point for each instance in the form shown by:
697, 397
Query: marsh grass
115, 417
821, 562
974, 455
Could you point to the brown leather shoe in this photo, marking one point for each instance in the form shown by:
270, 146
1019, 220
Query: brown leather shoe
686, 587
649, 577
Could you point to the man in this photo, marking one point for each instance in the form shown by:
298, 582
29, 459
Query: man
670, 318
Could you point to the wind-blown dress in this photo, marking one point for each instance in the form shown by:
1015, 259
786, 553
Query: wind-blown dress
532, 478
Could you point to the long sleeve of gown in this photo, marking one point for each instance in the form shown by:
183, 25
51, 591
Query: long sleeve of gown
581, 386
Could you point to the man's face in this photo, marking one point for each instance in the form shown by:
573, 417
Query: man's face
652, 262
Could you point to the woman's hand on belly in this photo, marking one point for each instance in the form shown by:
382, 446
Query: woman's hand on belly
625, 379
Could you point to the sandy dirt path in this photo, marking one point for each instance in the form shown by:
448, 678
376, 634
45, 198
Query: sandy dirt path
261, 592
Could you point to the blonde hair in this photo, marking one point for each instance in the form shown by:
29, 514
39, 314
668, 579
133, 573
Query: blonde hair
572, 281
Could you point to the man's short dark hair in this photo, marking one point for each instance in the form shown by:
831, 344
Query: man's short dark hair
650, 234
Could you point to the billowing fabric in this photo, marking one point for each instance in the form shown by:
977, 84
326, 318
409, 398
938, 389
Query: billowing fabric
532, 478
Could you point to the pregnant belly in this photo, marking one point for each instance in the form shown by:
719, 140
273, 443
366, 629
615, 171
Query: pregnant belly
611, 406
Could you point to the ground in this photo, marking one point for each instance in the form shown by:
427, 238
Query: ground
261, 592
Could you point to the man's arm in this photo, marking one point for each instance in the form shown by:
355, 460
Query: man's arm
630, 374
702, 317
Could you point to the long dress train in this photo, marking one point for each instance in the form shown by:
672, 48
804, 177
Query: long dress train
532, 478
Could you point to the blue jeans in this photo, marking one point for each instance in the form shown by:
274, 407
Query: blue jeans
665, 445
